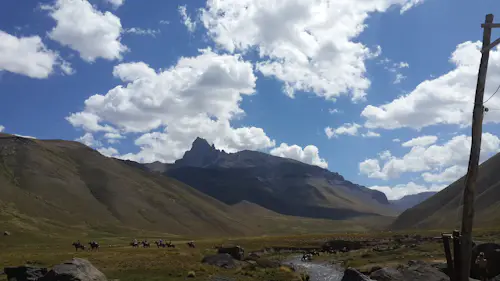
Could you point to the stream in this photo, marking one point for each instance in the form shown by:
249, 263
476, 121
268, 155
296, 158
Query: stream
317, 271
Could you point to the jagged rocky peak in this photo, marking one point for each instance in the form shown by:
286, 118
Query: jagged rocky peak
201, 154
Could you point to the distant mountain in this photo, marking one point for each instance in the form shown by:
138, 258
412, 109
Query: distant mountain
281, 185
70, 184
56, 187
409, 201
444, 209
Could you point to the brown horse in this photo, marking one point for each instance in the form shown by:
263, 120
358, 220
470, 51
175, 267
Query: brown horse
78, 245
191, 244
94, 246
160, 244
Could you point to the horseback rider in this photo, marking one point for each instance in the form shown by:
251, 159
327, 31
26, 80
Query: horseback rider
482, 263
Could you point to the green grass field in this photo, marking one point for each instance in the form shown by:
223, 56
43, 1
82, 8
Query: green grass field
120, 261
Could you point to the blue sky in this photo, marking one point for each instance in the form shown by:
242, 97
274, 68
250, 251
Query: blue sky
380, 92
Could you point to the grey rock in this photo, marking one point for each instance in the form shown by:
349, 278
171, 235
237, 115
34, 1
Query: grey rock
351, 274
414, 271
74, 270
220, 260
24, 273
387, 274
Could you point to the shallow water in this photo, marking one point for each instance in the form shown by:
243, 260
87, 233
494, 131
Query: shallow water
318, 271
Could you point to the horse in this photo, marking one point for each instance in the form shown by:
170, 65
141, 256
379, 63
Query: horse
191, 244
94, 246
134, 244
78, 245
314, 253
170, 245
160, 244
306, 257
145, 244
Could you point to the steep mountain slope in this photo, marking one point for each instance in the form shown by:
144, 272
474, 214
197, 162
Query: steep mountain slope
66, 189
444, 209
72, 184
282, 185
409, 201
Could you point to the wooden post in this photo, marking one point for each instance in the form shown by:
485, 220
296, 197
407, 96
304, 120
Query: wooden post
470, 184
447, 253
456, 254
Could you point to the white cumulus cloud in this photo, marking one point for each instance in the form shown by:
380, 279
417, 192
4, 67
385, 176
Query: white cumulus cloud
451, 156
447, 99
371, 134
108, 151
420, 141
83, 28
89, 140
308, 155
115, 3
197, 97
346, 129
29, 56
401, 190
309, 45
449, 174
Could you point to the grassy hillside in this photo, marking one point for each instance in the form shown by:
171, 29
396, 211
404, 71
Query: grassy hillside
53, 187
443, 210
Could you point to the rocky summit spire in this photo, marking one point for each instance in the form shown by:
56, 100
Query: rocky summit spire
201, 154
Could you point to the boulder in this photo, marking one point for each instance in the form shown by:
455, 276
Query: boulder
387, 274
236, 252
74, 270
341, 244
24, 273
351, 274
414, 271
421, 271
220, 260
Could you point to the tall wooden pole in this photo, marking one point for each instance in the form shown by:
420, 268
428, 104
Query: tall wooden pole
470, 184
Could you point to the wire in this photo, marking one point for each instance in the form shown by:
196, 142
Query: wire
492, 95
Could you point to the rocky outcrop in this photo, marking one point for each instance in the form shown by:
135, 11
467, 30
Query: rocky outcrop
220, 260
351, 274
24, 273
74, 270
414, 271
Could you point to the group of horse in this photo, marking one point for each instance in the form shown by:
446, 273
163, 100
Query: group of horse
308, 256
94, 246
146, 244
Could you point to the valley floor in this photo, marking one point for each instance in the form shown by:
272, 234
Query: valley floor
117, 260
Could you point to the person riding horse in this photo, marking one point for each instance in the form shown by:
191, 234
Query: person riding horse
94, 246
170, 245
307, 257
78, 245
482, 263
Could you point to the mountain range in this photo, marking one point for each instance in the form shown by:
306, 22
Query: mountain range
444, 209
52, 186
408, 201
279, 184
